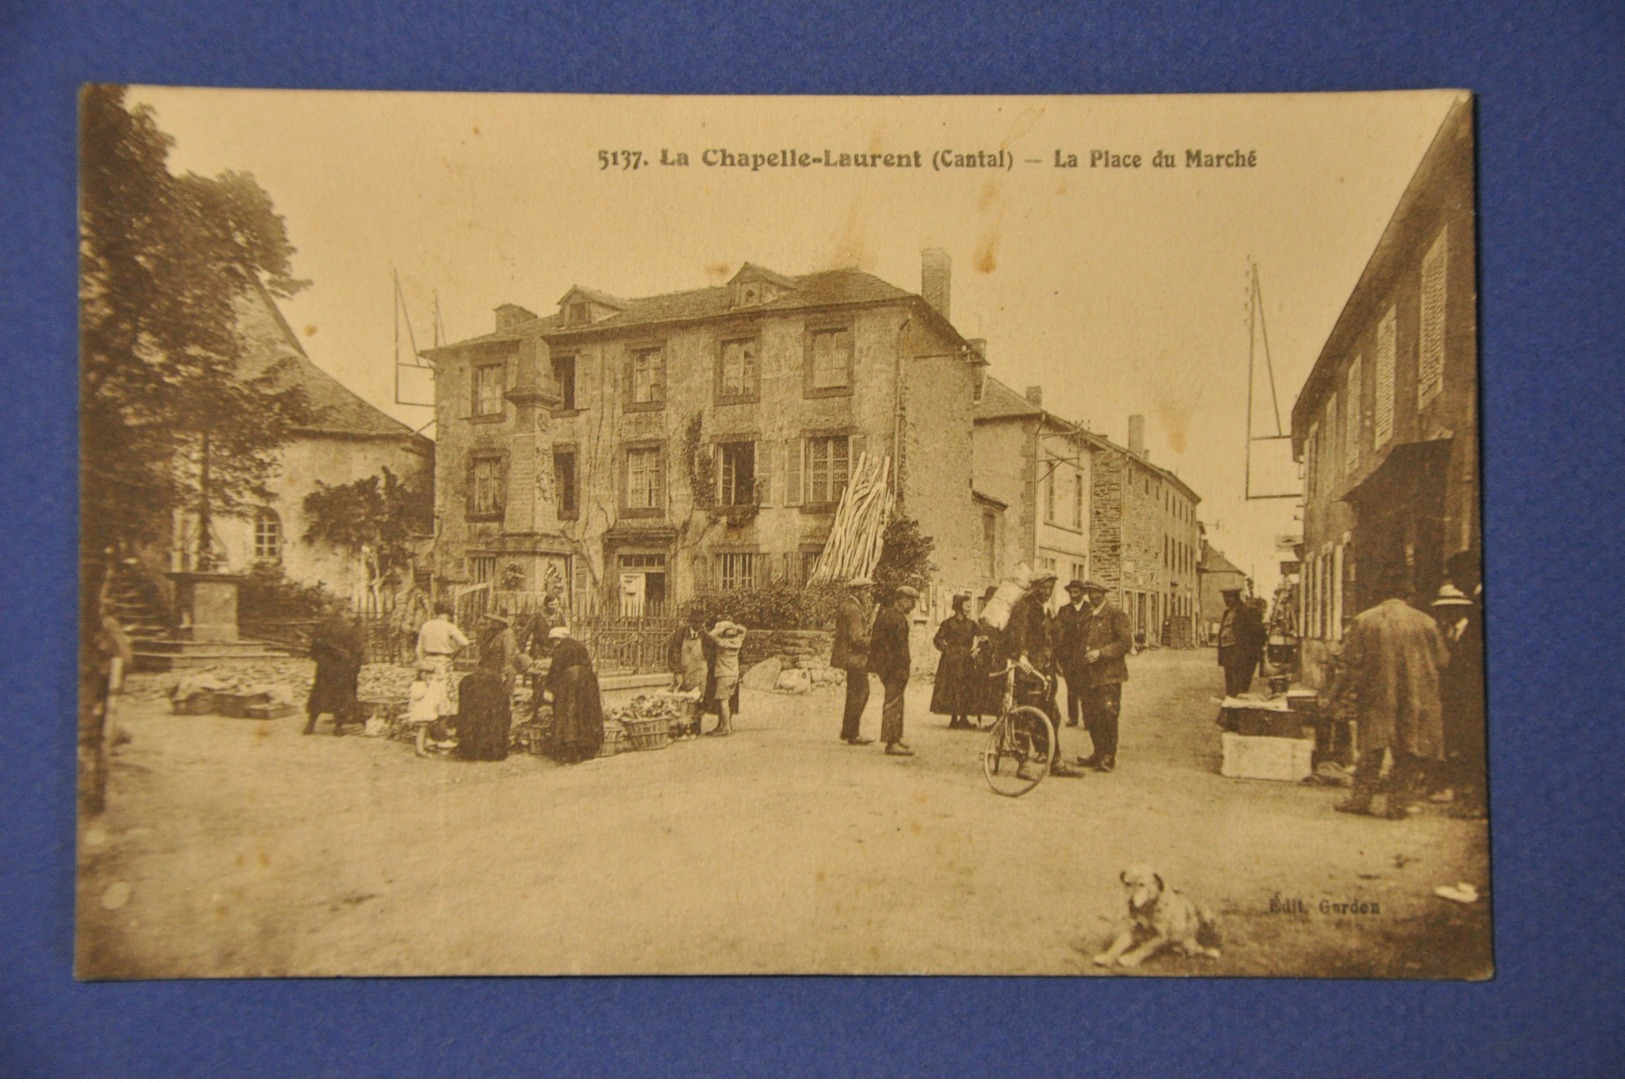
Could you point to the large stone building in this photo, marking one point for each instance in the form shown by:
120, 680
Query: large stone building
629, 452
348, 439
1034, 476
1387, 424
1147, 539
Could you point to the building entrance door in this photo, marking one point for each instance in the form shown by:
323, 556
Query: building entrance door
642, 584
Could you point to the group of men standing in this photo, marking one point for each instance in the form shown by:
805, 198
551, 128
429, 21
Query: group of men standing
1084, 643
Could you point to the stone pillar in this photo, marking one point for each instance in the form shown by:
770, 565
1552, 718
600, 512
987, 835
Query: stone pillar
206, 603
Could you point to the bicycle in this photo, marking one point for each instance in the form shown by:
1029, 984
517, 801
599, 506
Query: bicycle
1021, 744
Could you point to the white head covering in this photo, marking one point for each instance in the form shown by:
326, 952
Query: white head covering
558, 632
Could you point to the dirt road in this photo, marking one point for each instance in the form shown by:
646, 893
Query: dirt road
248, 849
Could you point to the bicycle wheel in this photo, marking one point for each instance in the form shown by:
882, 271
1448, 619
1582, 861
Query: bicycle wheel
1019, 751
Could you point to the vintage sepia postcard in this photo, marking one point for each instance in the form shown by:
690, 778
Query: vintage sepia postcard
554, 535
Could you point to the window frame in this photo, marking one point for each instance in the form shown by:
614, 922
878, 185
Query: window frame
634, 352
479, 368
560, 511
567, 403
499, 485
807, 488
750, 560
754, 392
723, 486
264, 517
813, 330
658, 509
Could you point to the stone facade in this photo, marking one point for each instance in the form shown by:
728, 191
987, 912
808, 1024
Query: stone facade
633, 452
1386, 426
1146, 542
349, 440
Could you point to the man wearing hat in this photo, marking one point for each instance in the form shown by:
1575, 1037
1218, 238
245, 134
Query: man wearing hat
499, 650
1029, 643
850, 652
889, 660
1071, 620
1241, 642
1461, 700
1106, 641
1391, 659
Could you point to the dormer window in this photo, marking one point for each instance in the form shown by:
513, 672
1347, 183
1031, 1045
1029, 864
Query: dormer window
579, 313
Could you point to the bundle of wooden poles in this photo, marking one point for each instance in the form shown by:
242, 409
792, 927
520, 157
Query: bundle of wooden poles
859, 528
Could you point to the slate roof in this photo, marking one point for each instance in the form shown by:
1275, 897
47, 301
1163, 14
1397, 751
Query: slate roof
267, 339
1000, 401
821, 289
1216, 563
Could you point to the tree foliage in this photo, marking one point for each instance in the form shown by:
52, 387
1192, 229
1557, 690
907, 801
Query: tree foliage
905, 556
381, 511
163, 261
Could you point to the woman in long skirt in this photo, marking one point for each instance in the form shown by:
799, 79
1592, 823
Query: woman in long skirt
336, 647
578, 710
484, 715
954, 693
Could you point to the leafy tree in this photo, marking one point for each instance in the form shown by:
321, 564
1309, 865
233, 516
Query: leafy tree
381, 513
169, 415
905, 556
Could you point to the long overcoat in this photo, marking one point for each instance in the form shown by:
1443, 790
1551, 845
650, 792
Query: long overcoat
1392, 655
956, 689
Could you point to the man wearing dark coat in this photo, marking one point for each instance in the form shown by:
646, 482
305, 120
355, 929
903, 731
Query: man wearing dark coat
1029, 642
1461, 698
1107, 638
890, 660
850, 653
1241, 643
336, 647
1392, 655
1070, 621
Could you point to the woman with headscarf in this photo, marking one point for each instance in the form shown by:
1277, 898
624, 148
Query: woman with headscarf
578, 710
954, 693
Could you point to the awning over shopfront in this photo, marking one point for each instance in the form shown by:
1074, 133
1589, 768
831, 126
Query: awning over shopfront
1408, 468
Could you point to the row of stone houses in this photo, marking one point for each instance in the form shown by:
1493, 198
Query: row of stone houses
628, 453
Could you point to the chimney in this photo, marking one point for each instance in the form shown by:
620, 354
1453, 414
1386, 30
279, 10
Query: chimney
978, 346
1136, 435
510, 315
934, 279
1035, 395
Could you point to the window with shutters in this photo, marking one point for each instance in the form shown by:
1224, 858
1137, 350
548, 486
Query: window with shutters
565, 484
737, 463
1077, 500
990, 544
1430, 357
488, 389
827, 467
645, 488
828, 361
482, 569
1382, 423
738, 370
1352, 419
487, 485
646, 383
1049, 490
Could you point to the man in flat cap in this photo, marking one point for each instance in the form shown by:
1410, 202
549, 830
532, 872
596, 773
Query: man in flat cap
850, 653
889, 660
1028, 642
1106, 641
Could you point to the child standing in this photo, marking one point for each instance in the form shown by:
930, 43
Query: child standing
728, 638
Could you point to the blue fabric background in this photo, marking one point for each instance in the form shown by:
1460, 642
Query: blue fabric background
1550, 144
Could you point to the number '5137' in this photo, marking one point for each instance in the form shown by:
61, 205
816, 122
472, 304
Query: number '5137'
620, 159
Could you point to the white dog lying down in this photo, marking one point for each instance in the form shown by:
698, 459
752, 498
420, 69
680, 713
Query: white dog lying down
1159, 917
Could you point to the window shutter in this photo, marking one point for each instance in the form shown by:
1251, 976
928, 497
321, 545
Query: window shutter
660, 479
502, 484
794, 453
764, 473
1430, 361
468, 488
1351, 420
464, 401
1382, 427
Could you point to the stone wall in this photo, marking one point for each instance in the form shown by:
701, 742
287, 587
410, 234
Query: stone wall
762, 643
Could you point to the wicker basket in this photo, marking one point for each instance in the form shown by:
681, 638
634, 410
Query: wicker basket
648, 734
